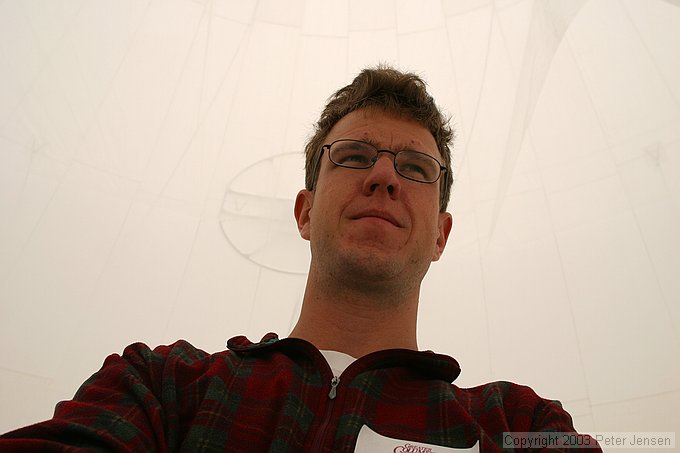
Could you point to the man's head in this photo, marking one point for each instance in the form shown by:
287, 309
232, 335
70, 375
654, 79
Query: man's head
396, 93
373, 209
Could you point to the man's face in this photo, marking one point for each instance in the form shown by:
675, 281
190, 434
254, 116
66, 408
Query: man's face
372, 222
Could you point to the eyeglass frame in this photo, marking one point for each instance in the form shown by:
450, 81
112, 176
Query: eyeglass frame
442, 169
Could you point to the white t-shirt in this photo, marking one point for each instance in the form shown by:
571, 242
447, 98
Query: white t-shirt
338, 361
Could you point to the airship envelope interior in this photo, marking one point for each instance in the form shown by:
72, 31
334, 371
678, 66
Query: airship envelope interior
151, 152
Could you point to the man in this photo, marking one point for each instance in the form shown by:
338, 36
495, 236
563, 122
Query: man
349, 377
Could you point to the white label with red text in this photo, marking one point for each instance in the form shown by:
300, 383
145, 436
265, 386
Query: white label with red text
371, 442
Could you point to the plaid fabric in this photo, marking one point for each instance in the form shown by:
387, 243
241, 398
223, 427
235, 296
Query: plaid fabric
274, 396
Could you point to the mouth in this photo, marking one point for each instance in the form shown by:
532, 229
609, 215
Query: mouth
379, 215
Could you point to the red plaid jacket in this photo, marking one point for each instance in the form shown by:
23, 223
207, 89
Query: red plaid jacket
280, 396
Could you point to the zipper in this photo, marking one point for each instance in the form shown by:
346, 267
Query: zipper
334, 385
321, 433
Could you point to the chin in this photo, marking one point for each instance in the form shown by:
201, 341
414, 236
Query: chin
371, 263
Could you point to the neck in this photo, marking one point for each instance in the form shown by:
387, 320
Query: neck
355, 322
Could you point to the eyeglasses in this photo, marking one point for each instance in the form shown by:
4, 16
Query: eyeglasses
412, 165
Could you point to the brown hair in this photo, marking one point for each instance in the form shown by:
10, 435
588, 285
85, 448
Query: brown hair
393, 91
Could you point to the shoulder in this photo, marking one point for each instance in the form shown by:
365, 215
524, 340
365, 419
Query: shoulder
180, 358
181, 349
505, 393
498, 389
141, 354
519, 404
182, 355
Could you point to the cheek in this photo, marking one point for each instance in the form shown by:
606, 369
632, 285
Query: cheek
326, 210
332, 197
428, 229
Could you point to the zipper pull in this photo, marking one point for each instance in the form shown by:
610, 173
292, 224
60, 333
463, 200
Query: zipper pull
334, 384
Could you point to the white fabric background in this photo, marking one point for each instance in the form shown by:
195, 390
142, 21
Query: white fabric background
150, 152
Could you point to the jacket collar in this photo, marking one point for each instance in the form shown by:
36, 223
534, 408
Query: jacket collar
430, 364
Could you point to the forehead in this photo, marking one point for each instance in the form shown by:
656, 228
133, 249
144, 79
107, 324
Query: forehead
385, 130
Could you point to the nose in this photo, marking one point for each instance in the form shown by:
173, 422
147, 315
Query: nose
383, 176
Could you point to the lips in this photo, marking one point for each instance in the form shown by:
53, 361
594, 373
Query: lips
377, 214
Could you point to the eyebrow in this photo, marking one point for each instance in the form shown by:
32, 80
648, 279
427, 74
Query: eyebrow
372, 142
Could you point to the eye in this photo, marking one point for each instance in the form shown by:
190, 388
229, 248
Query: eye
352, 154
359, 159
418, 166
413, 171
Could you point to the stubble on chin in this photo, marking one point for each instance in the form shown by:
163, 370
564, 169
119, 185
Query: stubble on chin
367, 270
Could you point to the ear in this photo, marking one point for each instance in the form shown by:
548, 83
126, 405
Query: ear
444, 227
303, 206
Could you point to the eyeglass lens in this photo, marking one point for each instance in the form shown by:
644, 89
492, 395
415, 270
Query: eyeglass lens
410, 164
